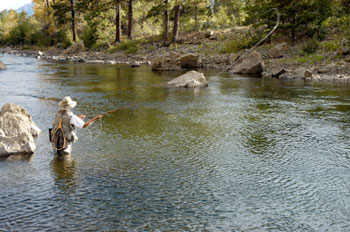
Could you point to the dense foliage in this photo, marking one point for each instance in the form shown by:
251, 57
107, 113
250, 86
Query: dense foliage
101, 23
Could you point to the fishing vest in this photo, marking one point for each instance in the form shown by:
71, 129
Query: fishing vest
69, 129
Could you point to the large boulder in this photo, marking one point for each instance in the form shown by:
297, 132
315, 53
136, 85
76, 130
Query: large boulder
189, 60
174, 61
251, 64
2, 66
190, 79
279, 50
17, 131
343, 51
232, 58
169, 62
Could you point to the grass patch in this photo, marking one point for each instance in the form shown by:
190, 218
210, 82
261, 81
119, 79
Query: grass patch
128, 46
234, 46
304, 59
309, 59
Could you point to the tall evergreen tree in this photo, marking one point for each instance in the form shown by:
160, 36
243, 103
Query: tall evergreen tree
177, 9
65, 12
130, 19
297, 17
118, 24
166, 22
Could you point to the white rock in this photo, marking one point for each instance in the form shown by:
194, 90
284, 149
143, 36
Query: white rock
17, 131
2, 66
190, 79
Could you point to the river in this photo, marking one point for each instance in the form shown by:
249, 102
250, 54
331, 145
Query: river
244, 154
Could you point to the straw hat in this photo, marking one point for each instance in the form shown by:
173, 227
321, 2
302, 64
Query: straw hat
67, 102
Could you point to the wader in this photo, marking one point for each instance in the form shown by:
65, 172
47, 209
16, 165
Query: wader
62, 135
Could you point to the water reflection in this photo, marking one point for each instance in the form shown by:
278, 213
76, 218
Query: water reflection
64, 170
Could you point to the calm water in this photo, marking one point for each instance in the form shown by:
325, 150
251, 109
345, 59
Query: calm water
243, 154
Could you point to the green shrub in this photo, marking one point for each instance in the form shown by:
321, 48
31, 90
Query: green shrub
89, 37
17, 35
62, 37
330, 46
311, 46
252, 41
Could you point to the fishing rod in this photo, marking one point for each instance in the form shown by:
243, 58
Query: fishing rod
257, 44
108, 113
118, 109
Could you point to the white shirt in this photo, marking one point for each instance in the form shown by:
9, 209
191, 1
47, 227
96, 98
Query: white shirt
77, 122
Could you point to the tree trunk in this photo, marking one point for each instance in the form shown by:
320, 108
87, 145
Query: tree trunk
166, 22
130, 22
74, 32
118, 24
293, 29
238, 17
196, 14
176, 23
47, 3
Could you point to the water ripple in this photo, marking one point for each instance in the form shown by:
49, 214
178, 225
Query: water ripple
244, 154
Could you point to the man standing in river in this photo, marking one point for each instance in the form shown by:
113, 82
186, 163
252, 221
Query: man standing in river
63, 133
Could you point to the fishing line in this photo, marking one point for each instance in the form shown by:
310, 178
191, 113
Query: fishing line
100, 130
89, 133
108, 113
100, 126
257, 44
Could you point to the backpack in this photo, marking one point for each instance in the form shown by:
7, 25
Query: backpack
57, 138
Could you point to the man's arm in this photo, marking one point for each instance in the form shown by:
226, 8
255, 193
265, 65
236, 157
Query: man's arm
88, 123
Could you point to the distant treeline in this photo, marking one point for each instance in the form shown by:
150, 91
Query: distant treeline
101, 23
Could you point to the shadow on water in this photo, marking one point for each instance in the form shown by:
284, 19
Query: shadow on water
17, 157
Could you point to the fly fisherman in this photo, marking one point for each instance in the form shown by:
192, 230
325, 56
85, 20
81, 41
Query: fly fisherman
63, 133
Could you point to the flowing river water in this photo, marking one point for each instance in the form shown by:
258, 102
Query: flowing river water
244, 154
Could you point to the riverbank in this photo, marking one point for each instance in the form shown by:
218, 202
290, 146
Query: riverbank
215, 50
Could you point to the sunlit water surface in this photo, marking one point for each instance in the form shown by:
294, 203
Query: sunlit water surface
244, 154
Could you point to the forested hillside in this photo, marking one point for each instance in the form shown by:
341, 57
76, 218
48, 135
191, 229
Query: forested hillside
103, 24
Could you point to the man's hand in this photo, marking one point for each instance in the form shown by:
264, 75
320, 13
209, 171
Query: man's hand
82, 116
98, 117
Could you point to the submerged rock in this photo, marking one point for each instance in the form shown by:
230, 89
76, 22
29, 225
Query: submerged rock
251, 64
277, 72
169, 62
17, 131
135, 64
190, 79
2, 66
189, 60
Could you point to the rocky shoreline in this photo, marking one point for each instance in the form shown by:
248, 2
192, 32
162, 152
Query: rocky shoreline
271, 65
83, 57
